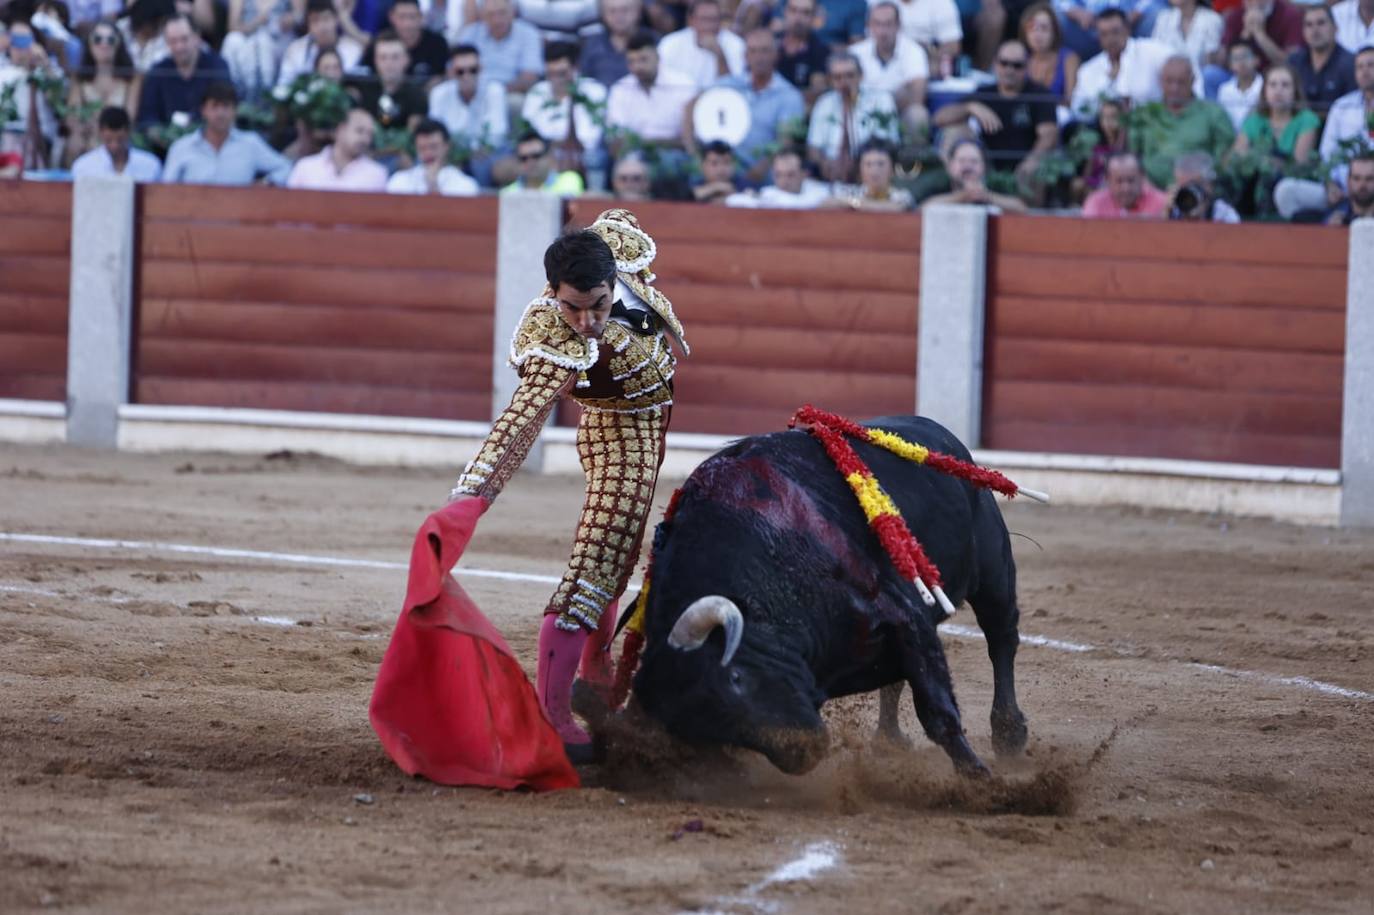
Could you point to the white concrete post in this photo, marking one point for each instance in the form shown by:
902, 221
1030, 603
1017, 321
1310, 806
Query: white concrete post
100, 313
1357, 413
529, 222
949, 362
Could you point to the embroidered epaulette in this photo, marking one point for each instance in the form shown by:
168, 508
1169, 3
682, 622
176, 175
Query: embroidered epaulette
542, 333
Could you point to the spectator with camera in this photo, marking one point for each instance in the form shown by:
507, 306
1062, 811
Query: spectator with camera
1178, 124
432, 172
115, 156
218, 152
1192, 196
1326, 71
1127, 192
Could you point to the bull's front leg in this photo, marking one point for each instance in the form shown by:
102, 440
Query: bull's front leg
925, 668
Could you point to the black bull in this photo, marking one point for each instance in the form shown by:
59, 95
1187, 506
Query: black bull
769, 526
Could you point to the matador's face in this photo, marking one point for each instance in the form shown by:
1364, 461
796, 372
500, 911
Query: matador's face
585, 312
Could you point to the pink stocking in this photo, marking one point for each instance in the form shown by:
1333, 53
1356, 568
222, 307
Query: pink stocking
596, 654
559, 652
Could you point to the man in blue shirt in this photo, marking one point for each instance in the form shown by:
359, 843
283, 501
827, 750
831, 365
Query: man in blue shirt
512, 51
177, 83
218, 153
774, 104
842, 21
1326, 69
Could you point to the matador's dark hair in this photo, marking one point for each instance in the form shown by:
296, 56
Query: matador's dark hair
582, 259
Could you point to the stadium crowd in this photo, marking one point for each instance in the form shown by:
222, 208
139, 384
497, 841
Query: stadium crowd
1253, 109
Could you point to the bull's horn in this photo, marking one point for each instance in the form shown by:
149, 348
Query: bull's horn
705, 614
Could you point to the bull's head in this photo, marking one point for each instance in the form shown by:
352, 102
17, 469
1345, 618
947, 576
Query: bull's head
713, 682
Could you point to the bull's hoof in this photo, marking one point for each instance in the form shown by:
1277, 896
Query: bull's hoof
892, 738
590, 704
1009, 733
972, 768
581, 754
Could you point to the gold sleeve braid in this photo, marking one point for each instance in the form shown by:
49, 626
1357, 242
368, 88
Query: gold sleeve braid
513, 434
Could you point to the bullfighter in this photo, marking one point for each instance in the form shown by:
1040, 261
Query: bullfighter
599, 334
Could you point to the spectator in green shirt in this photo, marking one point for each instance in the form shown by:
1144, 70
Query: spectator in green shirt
1181, 123
1281, 123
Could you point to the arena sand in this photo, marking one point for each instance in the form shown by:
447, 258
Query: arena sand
162, 750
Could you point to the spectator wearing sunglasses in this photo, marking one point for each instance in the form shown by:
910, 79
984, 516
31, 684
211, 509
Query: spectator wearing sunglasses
1014, 116
473, 109
534, 165
104, 79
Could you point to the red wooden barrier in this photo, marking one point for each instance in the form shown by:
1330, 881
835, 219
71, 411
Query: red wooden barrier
348, 303
782, 308
35, 270
1218, 343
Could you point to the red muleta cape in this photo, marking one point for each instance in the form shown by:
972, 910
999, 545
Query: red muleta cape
451, 702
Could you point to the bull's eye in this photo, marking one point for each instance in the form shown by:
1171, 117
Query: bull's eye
736, 680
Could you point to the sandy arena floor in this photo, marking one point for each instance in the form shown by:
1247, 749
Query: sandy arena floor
161, 750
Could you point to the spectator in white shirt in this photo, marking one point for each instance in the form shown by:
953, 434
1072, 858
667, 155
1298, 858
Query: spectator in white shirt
551, 109
894, 63
322, 32
510, 48
649, 100
703, 51
1190, 29
846, 118
1354, 24
472, 108
1127, 68
114, 155
433, 174
932, 24
790, 190
1241, 93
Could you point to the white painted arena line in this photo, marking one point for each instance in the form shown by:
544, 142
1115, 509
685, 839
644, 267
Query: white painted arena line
815, 859
957, 631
